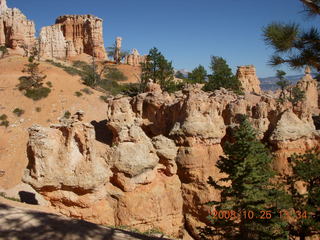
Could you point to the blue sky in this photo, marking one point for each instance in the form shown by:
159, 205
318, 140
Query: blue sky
187, 32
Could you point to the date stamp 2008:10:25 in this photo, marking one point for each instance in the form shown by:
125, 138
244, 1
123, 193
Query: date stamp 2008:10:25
263, 214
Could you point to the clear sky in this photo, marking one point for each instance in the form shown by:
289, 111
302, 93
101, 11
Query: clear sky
187, 32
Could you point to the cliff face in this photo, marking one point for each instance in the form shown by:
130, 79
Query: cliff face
85, 32
147, 165
53, 43
15, 29
73, 35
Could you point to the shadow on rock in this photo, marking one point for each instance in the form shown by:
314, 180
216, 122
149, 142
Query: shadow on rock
23, 224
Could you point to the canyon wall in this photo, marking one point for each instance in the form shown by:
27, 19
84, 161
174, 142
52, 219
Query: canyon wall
147, 165
16, 31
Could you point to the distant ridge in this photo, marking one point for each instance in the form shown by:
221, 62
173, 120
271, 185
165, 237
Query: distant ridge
270, 83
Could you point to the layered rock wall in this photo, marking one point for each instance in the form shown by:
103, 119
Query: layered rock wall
156, 156
248, 78
54, 45
73, 35
85, 32
15, 29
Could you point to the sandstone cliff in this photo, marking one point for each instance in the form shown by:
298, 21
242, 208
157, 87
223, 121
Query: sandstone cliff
248, 78
73, 35
53, 43
148, 164
16, 31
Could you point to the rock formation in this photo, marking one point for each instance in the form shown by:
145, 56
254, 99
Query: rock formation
135, 59
310, 87
85, 32
16, 31
117, 50
151, 169
248, 78
73, 35
3, 6
54, 45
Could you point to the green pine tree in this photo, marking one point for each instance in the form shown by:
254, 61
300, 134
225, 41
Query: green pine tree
250, 192
283, 83
222, 77
198, 75
158, 69
306, 169
293, 45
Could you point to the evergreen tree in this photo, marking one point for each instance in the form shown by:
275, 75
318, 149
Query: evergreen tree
306, 169
250, 199
292, 45
296, 95
179, 75
222, 76
198, 75
32, 84
282, 83
157, 69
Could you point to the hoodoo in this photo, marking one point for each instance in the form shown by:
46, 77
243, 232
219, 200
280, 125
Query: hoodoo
16, 31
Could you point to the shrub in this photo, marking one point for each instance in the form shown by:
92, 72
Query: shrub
18, 111
37, 93
3, 117
78, 94
115, 75
49, 84
103, 98
4, 121
3, 51
71, 70
38, 109
80, 64
87, 91
111, 86
67, 115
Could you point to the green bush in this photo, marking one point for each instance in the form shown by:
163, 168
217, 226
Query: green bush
87, 91
115, 75
67, 115
25, 83
18, 111
78, 94
80, 64
4, 121
71, 70
103, 98
3, 117
49, 84
37, 93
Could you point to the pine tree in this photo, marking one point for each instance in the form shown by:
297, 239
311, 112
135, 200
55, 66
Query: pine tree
283, 83
306, 169
250, 193
32, 85
198, 75
292, 45
157, 69
222, 76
